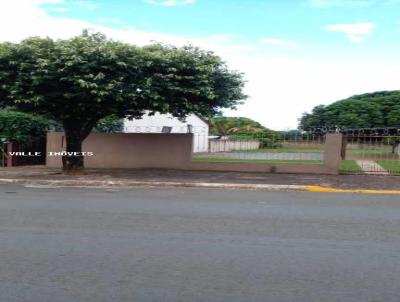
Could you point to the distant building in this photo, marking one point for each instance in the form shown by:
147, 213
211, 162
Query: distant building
166, 123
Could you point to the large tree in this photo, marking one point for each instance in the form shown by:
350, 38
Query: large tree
84, 79
379, 109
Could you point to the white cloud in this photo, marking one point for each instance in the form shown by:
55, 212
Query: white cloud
355, 32
278, 42
170, 2
280, 88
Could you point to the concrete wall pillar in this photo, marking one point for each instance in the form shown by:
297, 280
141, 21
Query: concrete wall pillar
333, 152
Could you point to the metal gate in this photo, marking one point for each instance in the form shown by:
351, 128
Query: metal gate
4, 160
372, 151
26, 152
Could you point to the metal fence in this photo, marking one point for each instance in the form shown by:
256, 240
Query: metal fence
372, 152
27, 149
368, 150
3, 155
307, 148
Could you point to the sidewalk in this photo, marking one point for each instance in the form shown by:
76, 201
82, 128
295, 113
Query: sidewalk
155, 178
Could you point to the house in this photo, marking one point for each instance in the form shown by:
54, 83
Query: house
166, 123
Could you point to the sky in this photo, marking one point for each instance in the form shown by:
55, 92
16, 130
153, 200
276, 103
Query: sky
295, 54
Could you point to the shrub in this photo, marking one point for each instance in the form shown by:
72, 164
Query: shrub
22, 127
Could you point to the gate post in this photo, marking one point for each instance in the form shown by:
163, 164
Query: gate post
11, 160
344, 147
333, 151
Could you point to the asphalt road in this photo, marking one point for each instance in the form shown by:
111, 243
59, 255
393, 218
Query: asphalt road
149, 245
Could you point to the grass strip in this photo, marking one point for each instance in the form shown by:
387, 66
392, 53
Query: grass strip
391, 166
350, 166
256, 161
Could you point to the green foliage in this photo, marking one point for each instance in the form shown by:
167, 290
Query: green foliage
244, 129
89, 77
22, 127
379, 109
81, 80
291, 134
221, 125
110, 124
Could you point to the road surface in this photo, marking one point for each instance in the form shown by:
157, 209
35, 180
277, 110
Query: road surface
190, 245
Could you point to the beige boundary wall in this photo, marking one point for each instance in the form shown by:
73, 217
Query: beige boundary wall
128, 150
174, 151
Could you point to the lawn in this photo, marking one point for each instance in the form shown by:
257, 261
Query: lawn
367, 151
256, 161
392, 166
384, 151
346, 166
283, 150
350, 166
376, 151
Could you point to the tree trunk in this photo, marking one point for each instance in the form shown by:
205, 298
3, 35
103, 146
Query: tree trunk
75, 134
72, 161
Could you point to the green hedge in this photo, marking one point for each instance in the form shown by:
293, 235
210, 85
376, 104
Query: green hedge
22, 127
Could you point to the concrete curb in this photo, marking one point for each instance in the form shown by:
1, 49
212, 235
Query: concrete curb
152, 184
157, 184
319, 189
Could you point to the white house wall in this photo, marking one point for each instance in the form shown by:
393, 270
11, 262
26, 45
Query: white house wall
155, 123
